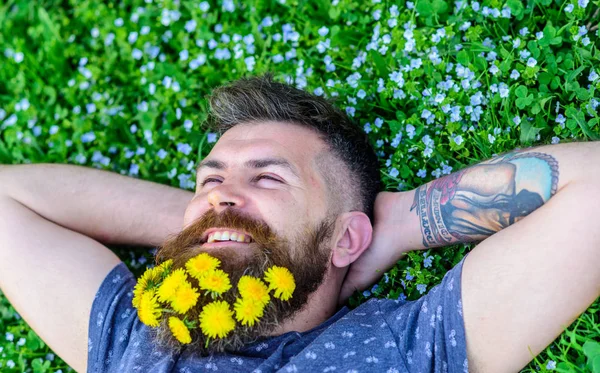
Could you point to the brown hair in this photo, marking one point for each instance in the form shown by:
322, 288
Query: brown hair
255, 99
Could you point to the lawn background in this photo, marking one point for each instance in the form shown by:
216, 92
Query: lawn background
438, 85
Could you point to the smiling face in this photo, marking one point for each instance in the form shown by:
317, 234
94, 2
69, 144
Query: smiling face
260, 202
267, 171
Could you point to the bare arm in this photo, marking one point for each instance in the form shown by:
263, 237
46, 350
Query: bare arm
106, 206
51, 263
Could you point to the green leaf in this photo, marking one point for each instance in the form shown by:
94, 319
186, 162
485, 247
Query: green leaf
583, 94
405, 171
439, 6
573, 74
521, 91
463, 57
516, 7
382, 68
523, 102
395, 125
591, 349
424, 7
528, 132
49, 25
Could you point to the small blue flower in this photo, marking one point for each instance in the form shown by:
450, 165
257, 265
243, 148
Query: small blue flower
421, 288
428, 260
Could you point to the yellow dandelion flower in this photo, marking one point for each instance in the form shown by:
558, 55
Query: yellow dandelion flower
166, 291
164, 268
202, 263
179, 330
282, 281
146, 281
215, 281
185, 298
149, 310
248, 311
216, 319
253, 288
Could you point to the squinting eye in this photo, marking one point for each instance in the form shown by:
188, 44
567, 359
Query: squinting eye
209, 179
265, 177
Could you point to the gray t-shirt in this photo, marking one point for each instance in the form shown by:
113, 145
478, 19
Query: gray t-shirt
381, 335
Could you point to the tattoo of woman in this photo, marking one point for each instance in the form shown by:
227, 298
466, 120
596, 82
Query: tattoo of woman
478, 201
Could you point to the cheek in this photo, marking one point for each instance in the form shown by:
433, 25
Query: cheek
193, 211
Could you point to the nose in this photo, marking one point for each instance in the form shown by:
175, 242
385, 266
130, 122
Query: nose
224, 196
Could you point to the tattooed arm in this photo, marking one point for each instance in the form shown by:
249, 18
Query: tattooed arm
474, 203
536, 269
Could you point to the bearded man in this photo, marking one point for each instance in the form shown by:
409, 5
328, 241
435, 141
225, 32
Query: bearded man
293, 182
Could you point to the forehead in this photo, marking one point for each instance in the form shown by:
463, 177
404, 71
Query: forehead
297, 144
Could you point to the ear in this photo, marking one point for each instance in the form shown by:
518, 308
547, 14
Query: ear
353, 236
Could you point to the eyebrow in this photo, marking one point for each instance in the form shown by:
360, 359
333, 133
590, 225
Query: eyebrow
253, 163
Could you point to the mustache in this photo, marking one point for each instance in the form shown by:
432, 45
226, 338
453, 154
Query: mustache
193, 236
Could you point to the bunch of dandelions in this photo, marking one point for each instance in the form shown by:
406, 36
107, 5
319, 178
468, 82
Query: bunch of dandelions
164, 290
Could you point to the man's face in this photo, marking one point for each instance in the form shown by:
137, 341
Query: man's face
242, 172
260, 181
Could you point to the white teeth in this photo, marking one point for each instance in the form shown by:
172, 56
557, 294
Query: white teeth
228, 236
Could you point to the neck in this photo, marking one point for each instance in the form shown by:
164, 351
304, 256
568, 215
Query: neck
321, 305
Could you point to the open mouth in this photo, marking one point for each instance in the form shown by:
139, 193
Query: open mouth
216, 236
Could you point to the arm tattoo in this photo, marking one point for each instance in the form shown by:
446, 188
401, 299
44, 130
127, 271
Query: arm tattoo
478, 201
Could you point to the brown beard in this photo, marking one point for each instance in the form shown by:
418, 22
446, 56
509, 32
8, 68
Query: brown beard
306, 256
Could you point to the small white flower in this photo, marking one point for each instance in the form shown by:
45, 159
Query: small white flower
21, 342
586, 41
184, 55
119, 22
517, 120
323, 31
95, 32
132, 38
190, 25
137, 54
18, 57
593, 76
204, 6
491, 138
524, 31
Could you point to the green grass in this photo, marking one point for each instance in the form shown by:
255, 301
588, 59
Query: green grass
77, 85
